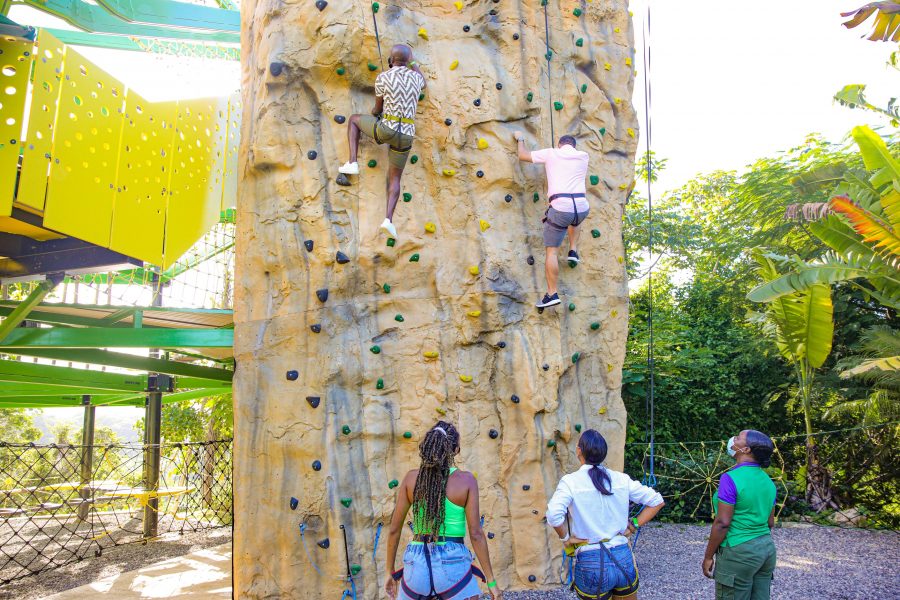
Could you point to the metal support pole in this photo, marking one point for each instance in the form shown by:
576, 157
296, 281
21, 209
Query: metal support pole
27, 305
87, 458
152, 437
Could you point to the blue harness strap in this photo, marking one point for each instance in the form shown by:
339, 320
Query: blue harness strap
433, 594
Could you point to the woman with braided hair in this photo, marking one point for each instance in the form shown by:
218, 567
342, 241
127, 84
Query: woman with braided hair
444, 502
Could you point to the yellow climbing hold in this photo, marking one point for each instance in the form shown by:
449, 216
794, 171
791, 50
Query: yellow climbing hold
621, 259
453, 65
623, 186
618, 101
607, 66
458, 5
465, 378
484, 224
423, 33
430, 354
628, 61
474, 270
601, 410
614, 313
474, 313
609, 368
630, 132
430, 227
441, 411
482, 144
448, 172
617, 30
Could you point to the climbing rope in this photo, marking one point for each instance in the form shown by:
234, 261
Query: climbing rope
351, 593
548, 56
375, 549
375, 8
567, 568
306, 550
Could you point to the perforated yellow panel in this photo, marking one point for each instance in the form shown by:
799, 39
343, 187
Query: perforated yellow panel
15, 67
235, 111
195, 194
81, 188
38, 143
139, 215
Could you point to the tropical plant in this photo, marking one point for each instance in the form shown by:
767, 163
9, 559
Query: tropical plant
885, 27
878, 365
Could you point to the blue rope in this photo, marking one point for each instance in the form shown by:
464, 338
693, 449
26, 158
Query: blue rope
351, 593
305, 549
568, 567
377, 537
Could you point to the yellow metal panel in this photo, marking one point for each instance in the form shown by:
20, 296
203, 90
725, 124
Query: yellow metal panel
10, 225
139, 215
195, 189
229, 195
85, 152
15, 66
38, 143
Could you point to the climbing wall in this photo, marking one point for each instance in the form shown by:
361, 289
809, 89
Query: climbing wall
349, 346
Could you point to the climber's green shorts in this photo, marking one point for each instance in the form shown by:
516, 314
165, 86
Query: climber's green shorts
378, 130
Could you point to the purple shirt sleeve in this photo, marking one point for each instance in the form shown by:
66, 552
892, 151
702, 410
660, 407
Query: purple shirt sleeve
727, 491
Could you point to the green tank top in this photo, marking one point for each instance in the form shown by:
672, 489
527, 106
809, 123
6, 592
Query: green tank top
454, 518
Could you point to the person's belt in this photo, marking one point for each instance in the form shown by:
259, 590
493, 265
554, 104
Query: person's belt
595, 545
572, 196
438, 540
401, 120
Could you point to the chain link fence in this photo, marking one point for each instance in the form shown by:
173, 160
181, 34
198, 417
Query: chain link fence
60, 503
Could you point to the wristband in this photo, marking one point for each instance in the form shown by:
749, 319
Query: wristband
492, 584
565, 539
634, 522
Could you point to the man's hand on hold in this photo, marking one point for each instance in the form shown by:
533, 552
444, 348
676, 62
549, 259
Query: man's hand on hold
519, 136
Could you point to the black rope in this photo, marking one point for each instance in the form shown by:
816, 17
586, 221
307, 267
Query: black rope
548, 56
651, 365
377, 37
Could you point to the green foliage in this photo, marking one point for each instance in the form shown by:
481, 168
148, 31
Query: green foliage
17, 425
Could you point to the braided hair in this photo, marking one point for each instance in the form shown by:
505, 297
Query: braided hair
437, 451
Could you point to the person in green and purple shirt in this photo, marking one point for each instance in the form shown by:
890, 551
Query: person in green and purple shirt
740, 554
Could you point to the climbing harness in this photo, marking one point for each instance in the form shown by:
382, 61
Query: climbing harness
306, 550
433, 594
549, 56
605, 553
351, 593
375, 8
578, 218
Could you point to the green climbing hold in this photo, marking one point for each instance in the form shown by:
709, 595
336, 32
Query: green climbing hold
391, 242
407, 435
340, 71
387, 288
345, 430
393, 483
372, 163
576, 357
578, 427
421, 97
379, 385
372, 67
558, 105
413, 159
551, 443
407, 196
579, 42
529, 96
549, 55
595, 179
595, 325
375, 7
398, 317
536, 197
577, 12
355, 569
595, 233
346, 502
571, 306
602, 131
543, 2
583, 88
376, 349
414, 257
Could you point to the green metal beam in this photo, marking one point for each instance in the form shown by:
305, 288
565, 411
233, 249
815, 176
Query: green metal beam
187, 383
130, 361
175, 14
16, 390
106, 337
72, 400
65, 377
55, 319
139, 44
119, 315
25, 306
194, 394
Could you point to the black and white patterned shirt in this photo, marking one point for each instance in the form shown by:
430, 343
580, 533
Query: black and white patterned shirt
400, 87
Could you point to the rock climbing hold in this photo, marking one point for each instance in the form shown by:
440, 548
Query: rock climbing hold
399, 318
532, 578
630, 132
579, 42
607, 66
324, 544
414, 258
309, 245
482, 144
322, 295
407, 196
372, 163
474, 313
477, 101
423, 33
312, 154
340, 71
549, 55
448, 172
321, 4
499, 86
376, 349
529, 96
545, 367
458, 5
355, 569
466, 28
501, 345
609, 368
595, 233
514, 398
441, 411
421, 96
601, 410
595, 179
317, 465
316, 328
595, 325
614, 313
576, 357
430, 227
508, 197
474, 270
493, 434
558, 105
551, 443
407, 435
339, 119
342, 179
276, 68
571, 306
490, 535
448, 122
479, 174
453, 65
535, 197
375, 7
530, 260
292, 375
345, 430
346, 502
372, 67
413, 159
430, 354
391, 242
465, 378
583, 88
577, 12
341, 258
578, 427
515, 36
379, 385
493, 12
484, 225
526, 487
313, 401
393, 483
602, 131
294, 503
628, 62
618, 30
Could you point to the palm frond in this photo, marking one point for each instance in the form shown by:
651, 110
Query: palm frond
890, 363
886, 26
869, 226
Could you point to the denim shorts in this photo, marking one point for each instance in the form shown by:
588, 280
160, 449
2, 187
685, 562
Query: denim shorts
450, 563
598, 577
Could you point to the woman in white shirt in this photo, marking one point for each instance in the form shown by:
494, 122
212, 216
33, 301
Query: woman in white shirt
597, 500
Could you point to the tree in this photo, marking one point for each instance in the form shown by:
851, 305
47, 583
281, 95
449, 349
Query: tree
17, 426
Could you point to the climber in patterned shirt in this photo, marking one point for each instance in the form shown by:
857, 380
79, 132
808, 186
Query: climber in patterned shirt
392, 122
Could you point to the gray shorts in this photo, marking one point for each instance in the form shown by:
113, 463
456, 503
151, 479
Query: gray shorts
556, 223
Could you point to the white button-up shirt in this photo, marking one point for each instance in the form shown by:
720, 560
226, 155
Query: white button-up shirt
597, 517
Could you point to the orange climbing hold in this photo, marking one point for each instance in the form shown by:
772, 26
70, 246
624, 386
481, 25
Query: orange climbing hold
484, 225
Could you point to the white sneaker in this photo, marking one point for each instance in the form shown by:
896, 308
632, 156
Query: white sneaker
349, 168
388, 228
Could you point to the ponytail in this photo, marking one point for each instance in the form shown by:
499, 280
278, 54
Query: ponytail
593, 449
437, 451
761, 447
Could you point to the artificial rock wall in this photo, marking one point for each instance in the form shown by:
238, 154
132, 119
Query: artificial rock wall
441, 324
